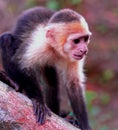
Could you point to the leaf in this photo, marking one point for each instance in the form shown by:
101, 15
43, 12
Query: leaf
107, 75
95, 111
52, 4
90, 95
74, 2
105, 98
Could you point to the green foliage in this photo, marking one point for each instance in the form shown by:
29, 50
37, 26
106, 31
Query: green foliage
107, 75
75, 2
95, 110
90, 96
104, 98
102, 28
104, 128
52, 4
30, 3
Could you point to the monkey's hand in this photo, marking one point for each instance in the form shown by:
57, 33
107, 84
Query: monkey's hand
6, 39
41, 111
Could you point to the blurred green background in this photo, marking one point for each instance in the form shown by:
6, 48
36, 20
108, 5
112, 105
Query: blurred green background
102, 61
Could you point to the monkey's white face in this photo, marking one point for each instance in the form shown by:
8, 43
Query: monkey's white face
76, 46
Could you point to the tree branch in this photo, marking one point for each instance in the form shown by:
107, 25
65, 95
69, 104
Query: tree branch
16, 113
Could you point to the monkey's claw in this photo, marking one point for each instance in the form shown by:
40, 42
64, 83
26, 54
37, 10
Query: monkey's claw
41, 111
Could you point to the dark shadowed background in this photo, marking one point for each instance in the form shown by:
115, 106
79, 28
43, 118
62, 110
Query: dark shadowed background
101, 65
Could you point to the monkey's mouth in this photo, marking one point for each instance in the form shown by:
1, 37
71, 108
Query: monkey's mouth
77, 57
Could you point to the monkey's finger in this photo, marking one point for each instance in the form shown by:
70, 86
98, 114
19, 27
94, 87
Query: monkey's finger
42, 116
34, 106
46, 111
38, 114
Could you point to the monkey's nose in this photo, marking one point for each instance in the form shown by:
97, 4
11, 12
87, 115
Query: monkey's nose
83, 52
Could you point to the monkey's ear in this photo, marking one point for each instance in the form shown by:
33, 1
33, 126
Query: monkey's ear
50, 33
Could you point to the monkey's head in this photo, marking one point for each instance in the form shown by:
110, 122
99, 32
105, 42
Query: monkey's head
68, 34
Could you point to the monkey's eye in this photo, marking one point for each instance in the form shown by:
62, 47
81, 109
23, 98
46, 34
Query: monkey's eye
76, 41
86, 38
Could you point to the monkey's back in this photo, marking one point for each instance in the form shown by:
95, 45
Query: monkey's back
12, 44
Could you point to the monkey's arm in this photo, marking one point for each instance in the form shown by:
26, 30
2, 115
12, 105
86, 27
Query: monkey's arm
6, 42
52, 88
30, 85
78, 104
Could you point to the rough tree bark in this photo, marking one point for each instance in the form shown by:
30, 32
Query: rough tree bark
16, 113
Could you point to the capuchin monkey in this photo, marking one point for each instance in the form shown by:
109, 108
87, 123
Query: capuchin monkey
48, 48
